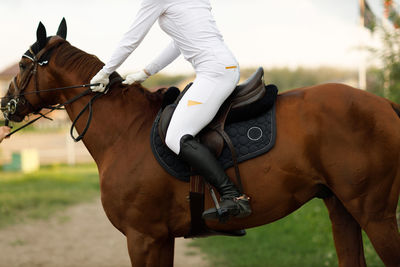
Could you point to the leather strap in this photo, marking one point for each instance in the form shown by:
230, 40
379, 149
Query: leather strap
114, 78
234, 158
219, 126
197, 184
196, 197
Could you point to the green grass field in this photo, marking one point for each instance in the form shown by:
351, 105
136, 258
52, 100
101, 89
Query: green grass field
40, 194
304, 238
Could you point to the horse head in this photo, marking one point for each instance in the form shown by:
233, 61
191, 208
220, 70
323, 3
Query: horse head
24, 94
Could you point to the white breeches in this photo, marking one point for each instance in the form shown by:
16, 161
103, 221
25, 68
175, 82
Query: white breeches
201, 102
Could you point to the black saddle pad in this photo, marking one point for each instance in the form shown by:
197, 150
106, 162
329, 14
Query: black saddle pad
250, 138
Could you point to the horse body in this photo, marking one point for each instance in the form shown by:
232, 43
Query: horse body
331, 138
314, 150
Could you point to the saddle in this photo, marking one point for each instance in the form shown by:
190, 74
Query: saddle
235, 108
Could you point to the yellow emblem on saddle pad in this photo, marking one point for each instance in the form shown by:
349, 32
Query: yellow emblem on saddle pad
193, 103
231, 67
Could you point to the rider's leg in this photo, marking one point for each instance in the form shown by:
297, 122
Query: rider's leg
195, 110
203, 161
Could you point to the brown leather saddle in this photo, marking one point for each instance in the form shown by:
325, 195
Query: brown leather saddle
213, 136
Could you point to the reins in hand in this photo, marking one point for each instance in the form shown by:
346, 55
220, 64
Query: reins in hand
60, 106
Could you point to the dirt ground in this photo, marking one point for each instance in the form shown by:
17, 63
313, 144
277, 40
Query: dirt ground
79, 236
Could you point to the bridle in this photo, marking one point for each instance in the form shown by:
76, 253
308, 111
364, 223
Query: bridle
37, 60
31, 71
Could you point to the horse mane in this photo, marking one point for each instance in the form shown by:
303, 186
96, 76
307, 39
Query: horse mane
72, 58
87, 65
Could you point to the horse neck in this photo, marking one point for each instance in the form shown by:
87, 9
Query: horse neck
115, 116
120, 113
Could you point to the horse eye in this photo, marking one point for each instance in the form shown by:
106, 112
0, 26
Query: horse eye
22, 66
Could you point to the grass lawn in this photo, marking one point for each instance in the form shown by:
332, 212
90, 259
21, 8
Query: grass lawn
304, 238
37, 195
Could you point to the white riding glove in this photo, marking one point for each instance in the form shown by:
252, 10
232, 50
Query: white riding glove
102, 78
136, 77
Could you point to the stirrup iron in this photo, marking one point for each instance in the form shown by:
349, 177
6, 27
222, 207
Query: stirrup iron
223, 214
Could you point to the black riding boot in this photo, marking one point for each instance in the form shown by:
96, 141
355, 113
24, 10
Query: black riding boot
204, 162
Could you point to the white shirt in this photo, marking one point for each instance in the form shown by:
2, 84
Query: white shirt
189, 23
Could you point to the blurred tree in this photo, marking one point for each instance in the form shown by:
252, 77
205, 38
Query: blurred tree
376, 81
387, 81
391, 13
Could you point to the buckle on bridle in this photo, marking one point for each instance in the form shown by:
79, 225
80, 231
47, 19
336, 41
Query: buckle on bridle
10, 108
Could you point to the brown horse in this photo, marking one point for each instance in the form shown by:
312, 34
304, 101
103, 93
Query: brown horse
329, 136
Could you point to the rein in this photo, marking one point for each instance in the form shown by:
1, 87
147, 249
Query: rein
57, 89
59, 106
89, 106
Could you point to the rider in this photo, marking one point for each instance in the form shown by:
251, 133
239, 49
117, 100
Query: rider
4, 130
194, 34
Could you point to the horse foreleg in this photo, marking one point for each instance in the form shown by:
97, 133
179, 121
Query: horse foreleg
384, 236
346, 233
148, 251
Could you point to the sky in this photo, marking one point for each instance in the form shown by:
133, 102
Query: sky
269, 33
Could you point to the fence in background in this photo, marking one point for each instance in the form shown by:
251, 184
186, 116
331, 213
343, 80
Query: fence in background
51, 148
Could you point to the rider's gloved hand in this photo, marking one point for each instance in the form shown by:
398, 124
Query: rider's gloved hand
102, 78
137, 77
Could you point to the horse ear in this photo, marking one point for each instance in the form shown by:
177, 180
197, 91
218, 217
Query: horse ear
62, 29
41, 36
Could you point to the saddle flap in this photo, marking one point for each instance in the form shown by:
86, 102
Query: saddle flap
213, 140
